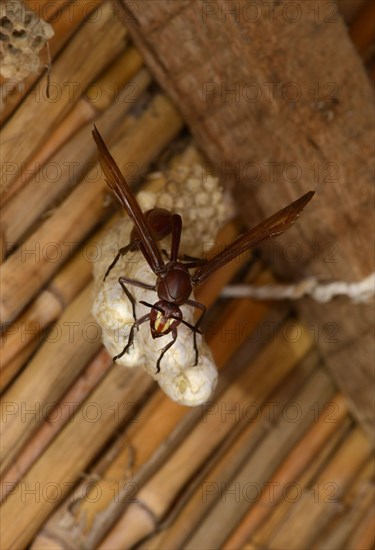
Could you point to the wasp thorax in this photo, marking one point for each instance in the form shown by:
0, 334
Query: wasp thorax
175, 285
164, 317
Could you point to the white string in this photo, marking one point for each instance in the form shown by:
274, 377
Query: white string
358, 292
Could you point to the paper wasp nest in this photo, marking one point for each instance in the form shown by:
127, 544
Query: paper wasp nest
22, 36
203, 208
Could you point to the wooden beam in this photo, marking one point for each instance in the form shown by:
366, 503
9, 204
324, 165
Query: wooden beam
278, 99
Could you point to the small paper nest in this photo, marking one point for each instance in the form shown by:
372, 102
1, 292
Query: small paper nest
179, 378
22, 36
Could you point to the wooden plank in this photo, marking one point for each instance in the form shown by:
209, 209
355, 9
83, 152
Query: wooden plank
280, 102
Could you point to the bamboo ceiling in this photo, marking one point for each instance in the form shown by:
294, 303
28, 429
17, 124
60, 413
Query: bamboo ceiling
96, 456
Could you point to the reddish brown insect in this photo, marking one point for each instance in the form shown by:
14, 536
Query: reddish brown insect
174, 283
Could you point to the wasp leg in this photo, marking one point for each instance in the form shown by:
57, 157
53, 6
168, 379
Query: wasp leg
123, 280
203, 308
135, 325
130, 297
166, 348
122, 252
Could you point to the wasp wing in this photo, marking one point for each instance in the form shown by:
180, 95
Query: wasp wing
273, 226
121, 189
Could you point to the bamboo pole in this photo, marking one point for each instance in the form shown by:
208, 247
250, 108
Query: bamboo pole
83, 58
26, 334
70, 162
82, 210
312, 515
234, 326
11, 369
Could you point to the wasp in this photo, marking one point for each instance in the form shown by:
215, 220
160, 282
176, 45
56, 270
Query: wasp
174, 280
